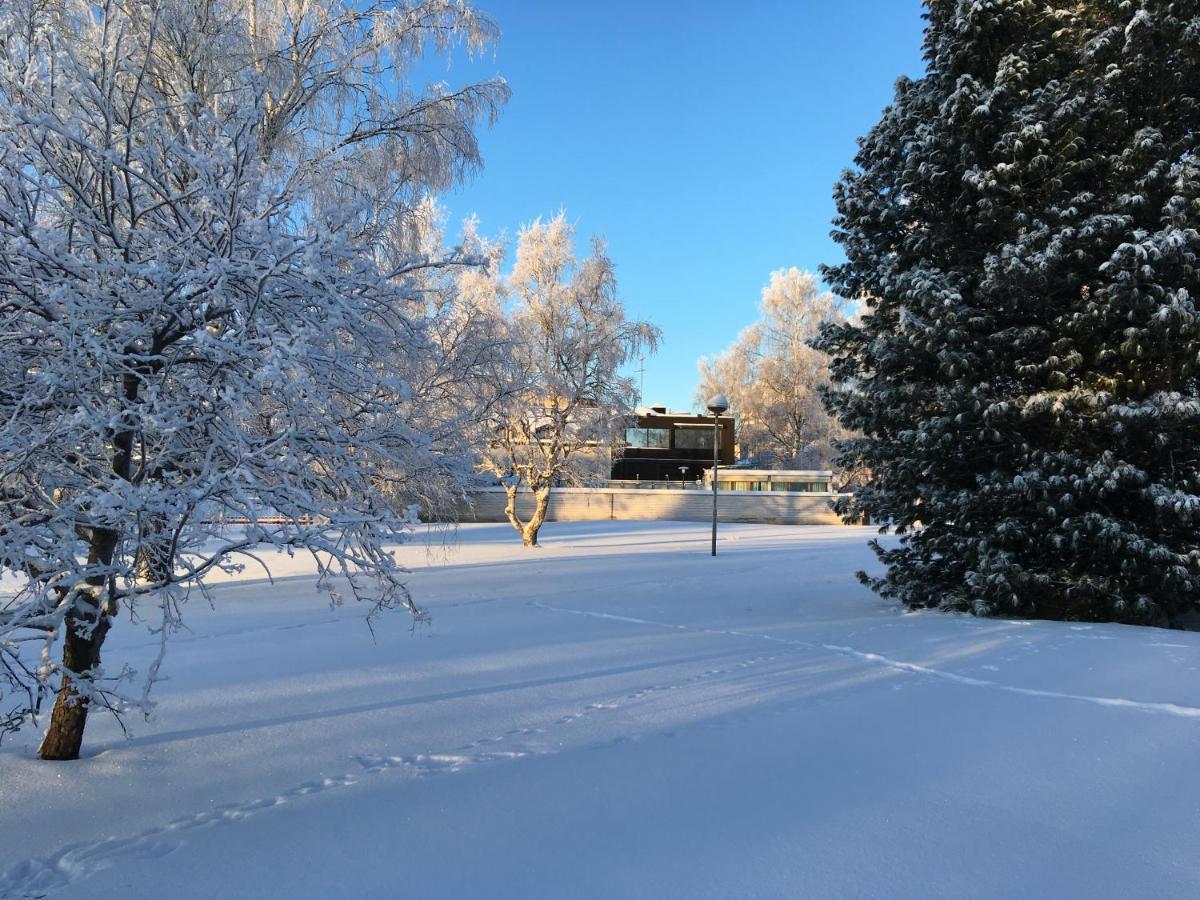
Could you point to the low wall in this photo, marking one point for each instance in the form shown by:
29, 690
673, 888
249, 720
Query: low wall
589, 504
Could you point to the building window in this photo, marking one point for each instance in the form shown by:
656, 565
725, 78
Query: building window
744, 485
648, 438
693, 439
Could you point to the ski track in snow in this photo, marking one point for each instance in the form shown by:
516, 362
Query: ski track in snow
35, 878
1152, 707
42, 876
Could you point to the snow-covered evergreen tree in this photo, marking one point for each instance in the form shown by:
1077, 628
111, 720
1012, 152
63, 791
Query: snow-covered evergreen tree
1023, 226
202, 301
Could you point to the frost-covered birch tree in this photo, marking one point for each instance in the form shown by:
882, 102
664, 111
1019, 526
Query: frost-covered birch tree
456, 383
199, 300
568, 340
1024, 223
773, 376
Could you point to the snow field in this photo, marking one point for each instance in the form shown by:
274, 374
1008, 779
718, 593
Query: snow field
619, 715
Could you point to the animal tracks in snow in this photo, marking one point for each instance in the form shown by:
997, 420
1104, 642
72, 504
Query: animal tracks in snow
70, 865
39, 877
43, 876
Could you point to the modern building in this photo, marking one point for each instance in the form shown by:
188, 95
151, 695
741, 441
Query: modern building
811, 481
672, 446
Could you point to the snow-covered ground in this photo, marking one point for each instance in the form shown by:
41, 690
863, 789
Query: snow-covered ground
619, 715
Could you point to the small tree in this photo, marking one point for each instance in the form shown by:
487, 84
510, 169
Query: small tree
197, 308
568, 339
773, 376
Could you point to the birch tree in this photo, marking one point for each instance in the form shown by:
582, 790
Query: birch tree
568, 341
773, 377
197, 309
456, 385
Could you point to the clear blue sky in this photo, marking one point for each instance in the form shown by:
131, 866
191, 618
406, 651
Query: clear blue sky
700, 139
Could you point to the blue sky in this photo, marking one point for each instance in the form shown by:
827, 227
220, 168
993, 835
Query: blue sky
700, 139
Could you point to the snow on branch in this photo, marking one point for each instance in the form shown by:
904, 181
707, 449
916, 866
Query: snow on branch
219, 303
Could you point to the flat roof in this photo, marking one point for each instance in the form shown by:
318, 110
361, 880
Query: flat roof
647, 413
732, 471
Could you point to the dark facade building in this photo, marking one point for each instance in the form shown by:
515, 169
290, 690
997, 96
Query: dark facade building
668, 446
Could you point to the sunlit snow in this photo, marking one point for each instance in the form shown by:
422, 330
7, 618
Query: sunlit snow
619, 715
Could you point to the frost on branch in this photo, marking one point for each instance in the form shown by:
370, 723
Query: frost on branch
568, 402
210, 264
773, 377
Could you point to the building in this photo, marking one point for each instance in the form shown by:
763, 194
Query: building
809, 481
672, 446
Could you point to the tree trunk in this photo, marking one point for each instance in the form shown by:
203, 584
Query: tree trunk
85, 627
527, 530
529, 534
87, 622
510, 509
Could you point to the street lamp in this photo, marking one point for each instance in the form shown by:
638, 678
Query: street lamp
716, 406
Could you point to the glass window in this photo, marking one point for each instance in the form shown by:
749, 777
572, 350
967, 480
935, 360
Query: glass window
648, 438
744, 485
803, 487
693, 439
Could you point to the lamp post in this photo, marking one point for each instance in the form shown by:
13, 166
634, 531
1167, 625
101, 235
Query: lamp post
716, 406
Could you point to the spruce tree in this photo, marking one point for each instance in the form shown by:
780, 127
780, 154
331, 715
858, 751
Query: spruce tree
1022, 227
